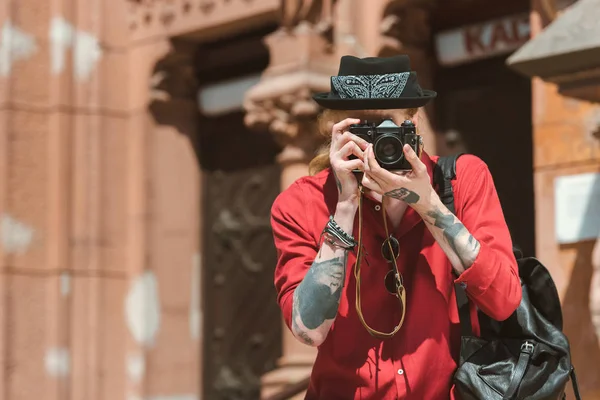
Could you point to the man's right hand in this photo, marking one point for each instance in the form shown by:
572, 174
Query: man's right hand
317, 297
344, 144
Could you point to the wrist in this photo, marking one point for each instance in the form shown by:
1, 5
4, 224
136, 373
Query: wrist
344, 215
349, 199
346, 208
428, 202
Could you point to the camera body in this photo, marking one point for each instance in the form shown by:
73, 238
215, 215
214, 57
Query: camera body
388, 141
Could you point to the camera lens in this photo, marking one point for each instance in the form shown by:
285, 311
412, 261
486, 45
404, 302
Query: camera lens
388, 149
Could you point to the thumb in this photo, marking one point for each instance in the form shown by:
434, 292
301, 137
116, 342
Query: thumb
414, 160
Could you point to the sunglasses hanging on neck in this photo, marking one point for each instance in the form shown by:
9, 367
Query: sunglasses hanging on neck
393, 281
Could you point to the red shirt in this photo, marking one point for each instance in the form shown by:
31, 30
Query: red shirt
419, 361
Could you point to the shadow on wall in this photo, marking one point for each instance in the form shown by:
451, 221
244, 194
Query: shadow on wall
578, 325
178, 114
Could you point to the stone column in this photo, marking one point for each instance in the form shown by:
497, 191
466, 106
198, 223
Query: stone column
295, 129
63, 199
297, 358
173, 362
294, 160
301, 64
162, 307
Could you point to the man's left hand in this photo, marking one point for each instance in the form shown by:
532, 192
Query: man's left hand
413, 187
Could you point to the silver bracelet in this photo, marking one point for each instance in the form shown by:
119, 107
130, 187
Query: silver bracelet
333, 230
335, 242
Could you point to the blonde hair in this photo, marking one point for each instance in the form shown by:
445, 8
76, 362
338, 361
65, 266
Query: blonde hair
325, 123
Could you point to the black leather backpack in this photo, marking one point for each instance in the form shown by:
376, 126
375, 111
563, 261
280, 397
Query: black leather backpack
526, 356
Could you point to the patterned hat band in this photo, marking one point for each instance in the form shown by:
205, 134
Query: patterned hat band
374, 83
370, 86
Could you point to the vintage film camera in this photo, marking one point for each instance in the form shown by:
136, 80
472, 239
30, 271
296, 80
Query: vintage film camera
388, 140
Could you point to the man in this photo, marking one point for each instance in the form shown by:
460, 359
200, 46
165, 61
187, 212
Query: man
381, 308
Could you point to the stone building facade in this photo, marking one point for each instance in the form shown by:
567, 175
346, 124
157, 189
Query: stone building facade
142, 142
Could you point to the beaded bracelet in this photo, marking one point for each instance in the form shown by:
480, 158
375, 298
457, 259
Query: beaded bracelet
337, 234
334, 242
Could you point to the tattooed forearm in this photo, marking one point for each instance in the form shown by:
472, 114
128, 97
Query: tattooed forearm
299, 331
317, 297
408, 196
463, 247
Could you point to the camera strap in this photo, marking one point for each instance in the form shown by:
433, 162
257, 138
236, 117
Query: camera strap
400, 289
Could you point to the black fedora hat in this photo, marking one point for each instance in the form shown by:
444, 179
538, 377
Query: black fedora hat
374, 83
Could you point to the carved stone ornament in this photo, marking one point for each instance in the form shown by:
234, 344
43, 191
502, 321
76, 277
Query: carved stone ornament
284, 104
197, 20
144, 13
405, 27
317, 13
302, 62
173, 76
237, 226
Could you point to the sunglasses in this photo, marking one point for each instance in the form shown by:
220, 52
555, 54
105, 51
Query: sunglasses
390, 250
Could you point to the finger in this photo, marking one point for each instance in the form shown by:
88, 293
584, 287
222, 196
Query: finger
342, 126
362, 143
367, 167
349, 137
417, 165
340, 141
351, 165
382, 176
370, 183
377, 180
348, 149
373, 165
403, 173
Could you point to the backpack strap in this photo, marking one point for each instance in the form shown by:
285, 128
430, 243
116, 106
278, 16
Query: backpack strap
443, 175
575, 384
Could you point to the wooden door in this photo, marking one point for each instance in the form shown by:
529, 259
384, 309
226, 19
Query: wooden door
242, 322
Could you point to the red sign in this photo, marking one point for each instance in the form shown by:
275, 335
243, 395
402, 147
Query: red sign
482, 40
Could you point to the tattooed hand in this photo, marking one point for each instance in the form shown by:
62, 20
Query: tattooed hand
344, 144
413, 187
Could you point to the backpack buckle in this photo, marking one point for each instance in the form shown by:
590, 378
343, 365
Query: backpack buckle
527, 347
